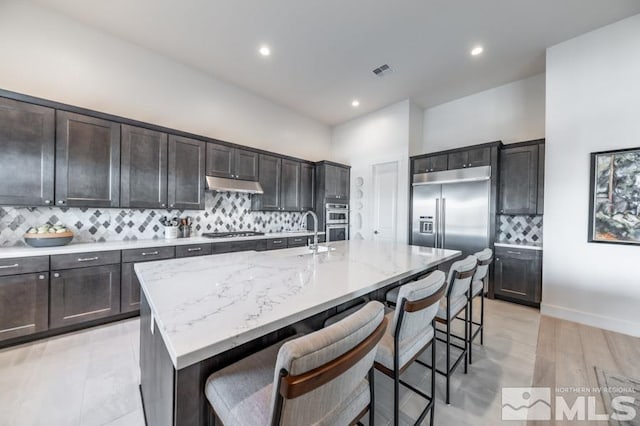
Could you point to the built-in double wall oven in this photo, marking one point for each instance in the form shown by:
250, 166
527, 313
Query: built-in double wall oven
337, 221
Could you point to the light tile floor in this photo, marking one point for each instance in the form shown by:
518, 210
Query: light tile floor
91, 377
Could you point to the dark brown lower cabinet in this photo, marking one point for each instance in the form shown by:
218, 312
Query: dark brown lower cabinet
518, 275
24, 304
129, 289
84, 294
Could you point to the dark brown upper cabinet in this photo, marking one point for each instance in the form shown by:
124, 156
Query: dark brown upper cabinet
540, 207
336, 182
270, 179
186, 180
290, 187
87, 161
434, 163
469, 158
143, 181
519, 180
307, 185
232, 163
27, 144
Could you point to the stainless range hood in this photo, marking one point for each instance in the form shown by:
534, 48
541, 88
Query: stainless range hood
233, 185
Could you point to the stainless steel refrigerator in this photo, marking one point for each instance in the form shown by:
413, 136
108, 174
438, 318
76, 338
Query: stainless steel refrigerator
451, 210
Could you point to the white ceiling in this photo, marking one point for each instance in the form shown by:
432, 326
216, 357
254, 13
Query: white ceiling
323, 51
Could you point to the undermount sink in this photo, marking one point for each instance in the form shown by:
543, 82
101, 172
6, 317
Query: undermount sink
301, 251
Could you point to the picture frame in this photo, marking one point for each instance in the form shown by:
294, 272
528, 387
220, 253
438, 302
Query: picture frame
614, 197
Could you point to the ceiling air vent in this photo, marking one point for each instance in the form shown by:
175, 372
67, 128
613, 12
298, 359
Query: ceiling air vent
382, 70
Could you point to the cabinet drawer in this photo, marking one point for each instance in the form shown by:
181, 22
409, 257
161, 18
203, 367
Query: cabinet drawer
518, 253
148, 254
276, 243
83, 260
297, 241
24, 265
235, 246
193, 250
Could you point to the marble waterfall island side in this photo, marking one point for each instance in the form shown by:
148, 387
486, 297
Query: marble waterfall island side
202, 313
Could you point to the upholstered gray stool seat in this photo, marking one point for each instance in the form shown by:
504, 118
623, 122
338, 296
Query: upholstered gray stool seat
242, 392
408, 348
457, 305
249, 392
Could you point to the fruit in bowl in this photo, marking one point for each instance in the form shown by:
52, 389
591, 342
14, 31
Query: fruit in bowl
48, 235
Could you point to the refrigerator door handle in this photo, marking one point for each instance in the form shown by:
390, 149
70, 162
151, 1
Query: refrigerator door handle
437, 230
443, 215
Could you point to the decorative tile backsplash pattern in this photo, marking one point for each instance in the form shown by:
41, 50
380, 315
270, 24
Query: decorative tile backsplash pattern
520, 229
224, 211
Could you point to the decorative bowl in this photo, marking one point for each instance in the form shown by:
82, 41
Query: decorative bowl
49, 239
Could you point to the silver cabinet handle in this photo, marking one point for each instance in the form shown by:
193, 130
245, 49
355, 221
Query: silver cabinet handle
277, 241
61, 202
15, 265
47, 201
513, 252
195, 249
163, 205
150, 253
41, 277
171, 205
87, 259
56, 275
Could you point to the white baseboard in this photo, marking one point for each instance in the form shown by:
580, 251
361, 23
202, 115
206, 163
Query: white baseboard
608, 323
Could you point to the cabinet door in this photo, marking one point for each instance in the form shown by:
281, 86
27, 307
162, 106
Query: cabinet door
24, 304
307, 180
519, 180
331, 178
343, 183
540, 207
290, 185
87, 161
438, 163
143, 168
269, 173
186, 173
129, 289
518, 276
220, 160
246, 165
421, 165
458, 160
479, 157
86, 294
27, 144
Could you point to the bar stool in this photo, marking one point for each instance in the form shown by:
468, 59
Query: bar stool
324, 377
412, 330
457, 300
478, 288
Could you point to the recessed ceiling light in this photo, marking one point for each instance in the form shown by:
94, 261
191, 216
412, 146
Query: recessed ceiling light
476, 51
355, 103
265, 51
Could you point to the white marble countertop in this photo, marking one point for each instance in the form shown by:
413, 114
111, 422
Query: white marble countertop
519, 246
82, 247
203, 306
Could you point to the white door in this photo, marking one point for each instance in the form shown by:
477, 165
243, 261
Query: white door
385, 201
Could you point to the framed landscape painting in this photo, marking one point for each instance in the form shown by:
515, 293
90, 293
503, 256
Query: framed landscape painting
614, 215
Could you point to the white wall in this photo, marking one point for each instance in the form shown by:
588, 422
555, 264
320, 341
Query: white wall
593, 104
47, 55
510, 113
379, 137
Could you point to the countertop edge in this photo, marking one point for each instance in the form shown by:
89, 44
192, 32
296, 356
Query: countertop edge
85, 247
519, 246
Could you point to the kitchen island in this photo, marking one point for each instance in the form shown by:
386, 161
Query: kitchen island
201, 314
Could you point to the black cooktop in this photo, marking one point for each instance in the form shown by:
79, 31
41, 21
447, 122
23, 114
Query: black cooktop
232, 234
